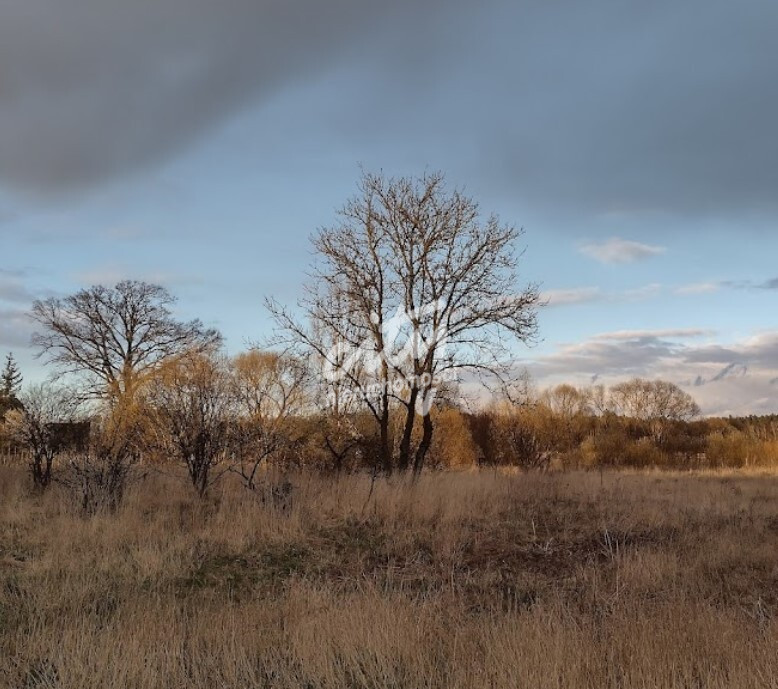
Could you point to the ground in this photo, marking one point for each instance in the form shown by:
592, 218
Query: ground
468, 580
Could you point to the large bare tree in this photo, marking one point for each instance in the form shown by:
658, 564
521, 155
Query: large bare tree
116, 335
414, 283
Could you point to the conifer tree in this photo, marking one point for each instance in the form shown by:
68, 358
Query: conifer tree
11, 378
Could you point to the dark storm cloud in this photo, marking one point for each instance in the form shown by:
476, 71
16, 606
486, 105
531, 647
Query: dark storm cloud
93, 89
610, 107
646, 107
598, 107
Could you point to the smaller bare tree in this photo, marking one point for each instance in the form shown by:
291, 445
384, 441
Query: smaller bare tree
38, 425
270, 388
97, 476
191, 414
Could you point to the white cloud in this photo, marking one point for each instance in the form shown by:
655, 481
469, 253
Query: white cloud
738, 378
112, 274
644, 292
698, 288
616, 250
576, 295
586, 295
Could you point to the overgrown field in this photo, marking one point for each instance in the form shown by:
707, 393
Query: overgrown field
462, 580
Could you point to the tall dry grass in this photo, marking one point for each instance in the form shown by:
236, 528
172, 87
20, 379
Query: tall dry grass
463, 580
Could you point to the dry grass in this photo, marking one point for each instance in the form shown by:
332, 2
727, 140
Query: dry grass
466, 580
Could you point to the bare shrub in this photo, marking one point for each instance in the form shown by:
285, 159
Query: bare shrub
269, 391
97, 476
40, 425
516, 434
191, 417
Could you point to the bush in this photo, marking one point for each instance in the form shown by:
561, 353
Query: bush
452, 445
738, 450
97, 477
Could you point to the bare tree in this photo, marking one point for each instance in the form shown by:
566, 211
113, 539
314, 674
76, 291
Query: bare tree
656, 402
416, 285
117, 335
599, 400
567, 405
270, 388
38, 424
191, 415
98, 474
566, 401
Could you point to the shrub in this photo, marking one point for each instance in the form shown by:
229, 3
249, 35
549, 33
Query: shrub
452, 445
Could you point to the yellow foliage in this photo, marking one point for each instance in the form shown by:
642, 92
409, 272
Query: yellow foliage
452, 444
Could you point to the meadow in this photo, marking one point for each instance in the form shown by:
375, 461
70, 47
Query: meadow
468, 580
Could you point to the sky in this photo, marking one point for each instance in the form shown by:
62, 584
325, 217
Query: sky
199, 145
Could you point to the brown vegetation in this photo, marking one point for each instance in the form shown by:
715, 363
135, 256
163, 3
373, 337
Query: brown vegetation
479, 579
187, 519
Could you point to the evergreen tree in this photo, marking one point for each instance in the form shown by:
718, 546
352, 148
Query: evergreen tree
10, 379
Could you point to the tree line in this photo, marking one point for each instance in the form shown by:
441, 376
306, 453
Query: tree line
410, 287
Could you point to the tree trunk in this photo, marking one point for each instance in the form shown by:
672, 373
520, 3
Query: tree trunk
404, 460
424, 445
386, 450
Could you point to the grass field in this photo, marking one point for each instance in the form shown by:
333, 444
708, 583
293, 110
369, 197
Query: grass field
464, 580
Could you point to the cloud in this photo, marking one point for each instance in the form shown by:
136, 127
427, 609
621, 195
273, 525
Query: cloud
724, 379
112, 274
698, 288
712, 287
678, 333
645, 292
575, 295
760, 350
595, 109
733, 370
638, 114
16, 296
98, 89
12, 288
751, 284
15, 327
617, 250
